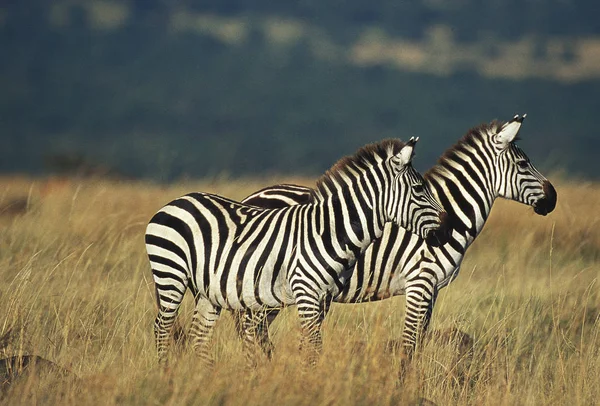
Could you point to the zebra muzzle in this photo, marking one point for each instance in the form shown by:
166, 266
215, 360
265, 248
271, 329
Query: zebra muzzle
441, 235
547, 203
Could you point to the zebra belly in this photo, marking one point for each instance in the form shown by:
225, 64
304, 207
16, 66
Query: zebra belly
381, 271
251, 281
398, 258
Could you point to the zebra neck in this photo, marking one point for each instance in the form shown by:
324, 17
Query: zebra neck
468, 202
349, 225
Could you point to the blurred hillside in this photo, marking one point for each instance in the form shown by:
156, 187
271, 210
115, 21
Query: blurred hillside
166, 89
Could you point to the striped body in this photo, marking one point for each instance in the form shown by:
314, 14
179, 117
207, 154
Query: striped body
482, 166
240, 257
227, 241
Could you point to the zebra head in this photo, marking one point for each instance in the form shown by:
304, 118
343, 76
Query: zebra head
517, 178
412, 204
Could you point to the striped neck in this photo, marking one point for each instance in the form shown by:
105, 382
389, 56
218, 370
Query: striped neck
352, 218
464, 184
353, 198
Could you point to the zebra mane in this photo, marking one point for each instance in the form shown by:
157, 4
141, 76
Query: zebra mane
480, 133
366, 157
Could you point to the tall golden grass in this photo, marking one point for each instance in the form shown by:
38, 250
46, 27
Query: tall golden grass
76, 289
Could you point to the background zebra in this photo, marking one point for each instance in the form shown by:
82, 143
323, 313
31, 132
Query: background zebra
483, 165
237, 257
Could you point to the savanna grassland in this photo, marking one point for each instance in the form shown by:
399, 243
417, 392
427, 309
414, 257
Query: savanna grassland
76, 290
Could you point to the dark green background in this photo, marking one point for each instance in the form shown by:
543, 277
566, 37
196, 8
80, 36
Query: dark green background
141, 100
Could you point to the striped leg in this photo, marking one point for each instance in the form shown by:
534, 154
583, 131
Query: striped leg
312, 312
203, 322
253, 329
238, 320
420, 298
168, 304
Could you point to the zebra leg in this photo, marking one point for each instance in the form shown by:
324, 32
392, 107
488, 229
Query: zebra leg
255, 334
254, 327
420, 299
168, 302
312, 312
238, 322
427, 316
203, 322
263, 332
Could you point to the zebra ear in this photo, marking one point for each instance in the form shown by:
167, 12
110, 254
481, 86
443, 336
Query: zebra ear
509, 131
404, 157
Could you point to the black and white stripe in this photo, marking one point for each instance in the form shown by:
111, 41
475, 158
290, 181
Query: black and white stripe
240, 257
279, 196
485, 164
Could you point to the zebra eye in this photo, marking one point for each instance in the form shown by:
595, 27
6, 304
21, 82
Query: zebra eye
522, 163
418, 188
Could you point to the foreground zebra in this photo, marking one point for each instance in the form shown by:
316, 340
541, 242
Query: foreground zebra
483, 165
239, 257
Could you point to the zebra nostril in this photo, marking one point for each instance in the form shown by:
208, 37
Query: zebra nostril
551, 196
443, 220
441, 234
546, 204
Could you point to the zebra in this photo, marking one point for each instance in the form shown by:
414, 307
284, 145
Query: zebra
485, 164
240, 257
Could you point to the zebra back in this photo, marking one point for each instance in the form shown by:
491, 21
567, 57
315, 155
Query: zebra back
279, 196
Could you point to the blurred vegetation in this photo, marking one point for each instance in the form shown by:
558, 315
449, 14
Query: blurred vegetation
124, 86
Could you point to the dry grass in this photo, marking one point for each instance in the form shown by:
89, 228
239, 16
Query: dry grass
77, 291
